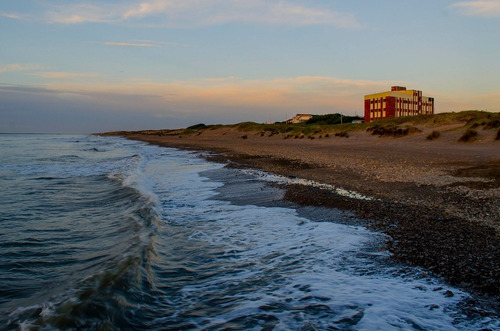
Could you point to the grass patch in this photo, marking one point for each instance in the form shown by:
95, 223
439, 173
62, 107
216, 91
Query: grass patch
434, 135
493, 123
466, 117
469, 136
392, 130
343, 134
283, 128
395, 127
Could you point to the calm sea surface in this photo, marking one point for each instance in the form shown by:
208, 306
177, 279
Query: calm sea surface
106, 233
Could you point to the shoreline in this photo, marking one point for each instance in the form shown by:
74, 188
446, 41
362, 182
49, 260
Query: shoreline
438, 201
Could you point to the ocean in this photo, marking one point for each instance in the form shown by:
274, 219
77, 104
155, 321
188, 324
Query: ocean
103, 233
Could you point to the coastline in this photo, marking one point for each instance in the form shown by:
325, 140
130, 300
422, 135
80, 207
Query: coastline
437, 200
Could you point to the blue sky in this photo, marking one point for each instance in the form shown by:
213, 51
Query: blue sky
90, 66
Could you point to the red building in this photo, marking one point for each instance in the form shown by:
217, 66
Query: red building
397, 102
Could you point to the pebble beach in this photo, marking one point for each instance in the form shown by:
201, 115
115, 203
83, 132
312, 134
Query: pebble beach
438, 200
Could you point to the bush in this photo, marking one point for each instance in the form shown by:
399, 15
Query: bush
498, 135
434, 135
392, 130
344, 134
332, 119
244, 137
493, 124
469, 135
197, 126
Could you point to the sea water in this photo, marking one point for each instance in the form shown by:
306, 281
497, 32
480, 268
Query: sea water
107, 233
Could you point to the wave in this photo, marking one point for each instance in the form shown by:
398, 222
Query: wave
61, 159
87, 265
109, 279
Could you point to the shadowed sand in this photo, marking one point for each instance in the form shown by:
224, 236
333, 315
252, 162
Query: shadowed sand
439, 200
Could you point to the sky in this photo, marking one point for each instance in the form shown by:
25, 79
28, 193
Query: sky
94, 66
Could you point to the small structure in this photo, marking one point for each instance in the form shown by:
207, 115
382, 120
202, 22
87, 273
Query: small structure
299, 118
397, 102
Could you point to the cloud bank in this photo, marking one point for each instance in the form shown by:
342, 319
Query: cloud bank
88, 107
82, 106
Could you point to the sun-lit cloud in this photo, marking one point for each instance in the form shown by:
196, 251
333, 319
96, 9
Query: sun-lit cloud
486, 8
83, 13
65, 75
196, 13
11, 15
237, 99
146, 104
19, 67
147, 8
217, 96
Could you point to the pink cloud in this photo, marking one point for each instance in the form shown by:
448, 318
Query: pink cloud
488, 8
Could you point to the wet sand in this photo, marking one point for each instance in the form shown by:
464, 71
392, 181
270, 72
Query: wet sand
438, 200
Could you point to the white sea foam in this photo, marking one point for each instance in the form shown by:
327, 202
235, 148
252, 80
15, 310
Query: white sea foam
300, 181
305, 266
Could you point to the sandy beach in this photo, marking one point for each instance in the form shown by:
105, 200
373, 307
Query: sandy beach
438, 200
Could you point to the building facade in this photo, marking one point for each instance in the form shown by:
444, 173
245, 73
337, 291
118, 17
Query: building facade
397, 102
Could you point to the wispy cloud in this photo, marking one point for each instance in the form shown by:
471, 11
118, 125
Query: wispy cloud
110, 43
19, 67
487, 8
195, 13
65, 75
11, 15
83, 13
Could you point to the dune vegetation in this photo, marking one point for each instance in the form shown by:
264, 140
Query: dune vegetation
466, 123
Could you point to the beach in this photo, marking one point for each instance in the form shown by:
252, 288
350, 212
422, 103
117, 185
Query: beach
438, 200
106, 232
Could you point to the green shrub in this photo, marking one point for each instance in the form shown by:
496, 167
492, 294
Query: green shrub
392, 130
493, 123
344, 134
469, 135
332, 119
434, 135
197, 126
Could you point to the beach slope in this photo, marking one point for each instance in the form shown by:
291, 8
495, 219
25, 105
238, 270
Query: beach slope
433, 181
